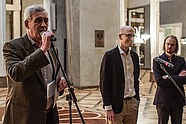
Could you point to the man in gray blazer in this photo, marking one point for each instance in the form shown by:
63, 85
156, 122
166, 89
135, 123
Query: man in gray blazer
31, 65
119, 84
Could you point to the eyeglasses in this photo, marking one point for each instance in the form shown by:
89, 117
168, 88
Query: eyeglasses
129, 35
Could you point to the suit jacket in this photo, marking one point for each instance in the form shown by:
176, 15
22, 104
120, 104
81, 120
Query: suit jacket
112, 80
166, 92
26, 97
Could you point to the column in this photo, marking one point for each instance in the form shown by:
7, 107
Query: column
70, 29
154, 28
154, 32
2, 34
122, 13
48, 4
16, 19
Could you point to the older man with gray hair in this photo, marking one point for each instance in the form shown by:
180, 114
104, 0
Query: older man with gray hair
31, 66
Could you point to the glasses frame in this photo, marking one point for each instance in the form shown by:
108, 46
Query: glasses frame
129, 35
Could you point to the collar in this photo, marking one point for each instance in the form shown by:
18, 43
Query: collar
172, 58
121, 51
30, 39
33, 42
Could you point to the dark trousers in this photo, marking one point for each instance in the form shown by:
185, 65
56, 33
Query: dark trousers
49, 117
174, 111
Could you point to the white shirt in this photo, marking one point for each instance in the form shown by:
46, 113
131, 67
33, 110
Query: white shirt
46, 74
128, 66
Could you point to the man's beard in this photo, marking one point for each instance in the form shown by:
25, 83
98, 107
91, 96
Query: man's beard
170, 52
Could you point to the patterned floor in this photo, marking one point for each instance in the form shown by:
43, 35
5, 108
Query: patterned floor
88, 117
89, 103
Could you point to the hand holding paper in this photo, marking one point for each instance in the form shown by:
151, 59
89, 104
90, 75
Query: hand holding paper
51, 89
62, 84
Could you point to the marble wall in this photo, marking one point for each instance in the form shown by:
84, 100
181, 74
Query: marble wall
84, 57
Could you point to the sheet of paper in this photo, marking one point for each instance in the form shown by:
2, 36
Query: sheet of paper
50, 89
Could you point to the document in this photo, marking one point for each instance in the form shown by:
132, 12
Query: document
51, 89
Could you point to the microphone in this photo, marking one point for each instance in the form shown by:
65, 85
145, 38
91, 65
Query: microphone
52, 38
159, 60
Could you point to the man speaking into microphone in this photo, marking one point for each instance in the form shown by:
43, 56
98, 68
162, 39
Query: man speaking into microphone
168, 99
31, 70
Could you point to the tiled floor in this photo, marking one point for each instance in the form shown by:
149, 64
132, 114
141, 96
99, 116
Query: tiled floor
89, 100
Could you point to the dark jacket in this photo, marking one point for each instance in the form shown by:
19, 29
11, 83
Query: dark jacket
166, 91
112, 80
26, 98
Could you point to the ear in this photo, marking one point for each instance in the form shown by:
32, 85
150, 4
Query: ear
26, 22
120, 37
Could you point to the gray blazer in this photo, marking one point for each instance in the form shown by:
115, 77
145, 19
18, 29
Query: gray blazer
26, 98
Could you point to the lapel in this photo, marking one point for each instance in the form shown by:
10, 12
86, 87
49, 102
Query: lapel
30, 49
55, 75
118, 60
53, 61
170, 70
117, 56
133, 58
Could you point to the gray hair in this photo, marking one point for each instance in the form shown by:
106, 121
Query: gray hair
32, 9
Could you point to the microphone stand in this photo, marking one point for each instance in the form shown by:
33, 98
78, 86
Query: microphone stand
163, 68
69, 99
70, 89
